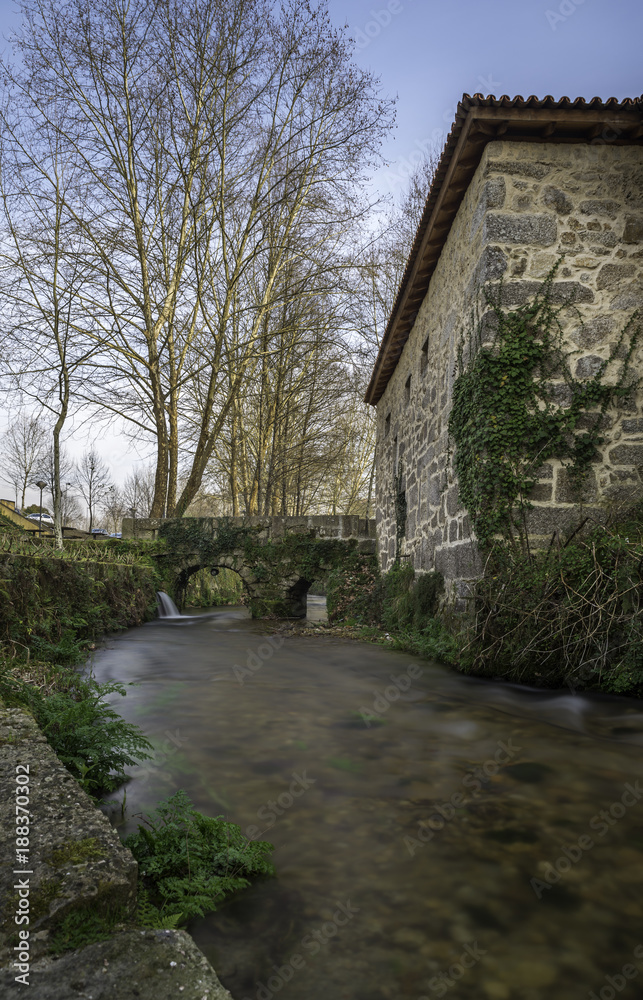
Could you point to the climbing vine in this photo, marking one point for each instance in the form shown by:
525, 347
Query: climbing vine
506, 420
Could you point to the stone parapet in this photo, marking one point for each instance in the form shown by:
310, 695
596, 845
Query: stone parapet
323, 526
74, 855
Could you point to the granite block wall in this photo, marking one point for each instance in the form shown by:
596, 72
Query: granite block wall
527, 204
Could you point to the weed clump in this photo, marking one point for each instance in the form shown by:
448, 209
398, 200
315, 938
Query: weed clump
189, 863
90, 738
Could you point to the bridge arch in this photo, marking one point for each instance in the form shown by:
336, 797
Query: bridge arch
277, 558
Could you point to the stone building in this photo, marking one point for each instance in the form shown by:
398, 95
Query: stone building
520, 183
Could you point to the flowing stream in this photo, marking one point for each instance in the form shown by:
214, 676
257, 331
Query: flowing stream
435, 835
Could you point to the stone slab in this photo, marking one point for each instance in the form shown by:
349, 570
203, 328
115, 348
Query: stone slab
132, 965
62, 818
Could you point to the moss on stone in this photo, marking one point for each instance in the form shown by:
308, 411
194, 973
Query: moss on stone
76, 852
40, 900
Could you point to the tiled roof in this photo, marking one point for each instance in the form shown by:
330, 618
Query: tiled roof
480, 120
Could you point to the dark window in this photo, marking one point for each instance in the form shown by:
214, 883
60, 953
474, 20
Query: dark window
424, 357
407, 390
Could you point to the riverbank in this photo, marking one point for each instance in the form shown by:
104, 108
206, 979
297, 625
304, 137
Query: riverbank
569, 614
68, 927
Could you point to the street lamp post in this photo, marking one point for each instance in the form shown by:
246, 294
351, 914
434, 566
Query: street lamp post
41, 485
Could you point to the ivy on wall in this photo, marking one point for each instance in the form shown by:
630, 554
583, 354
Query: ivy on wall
506, 420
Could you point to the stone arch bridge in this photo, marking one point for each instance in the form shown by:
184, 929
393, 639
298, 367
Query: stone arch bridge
278, 558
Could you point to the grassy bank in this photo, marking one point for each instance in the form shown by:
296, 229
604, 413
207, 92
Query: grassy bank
54, 607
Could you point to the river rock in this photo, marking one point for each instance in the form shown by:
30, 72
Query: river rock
146, 965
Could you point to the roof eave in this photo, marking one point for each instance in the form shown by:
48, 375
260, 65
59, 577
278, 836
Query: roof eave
480, 120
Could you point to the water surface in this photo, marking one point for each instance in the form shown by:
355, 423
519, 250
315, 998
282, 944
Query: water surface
435, 835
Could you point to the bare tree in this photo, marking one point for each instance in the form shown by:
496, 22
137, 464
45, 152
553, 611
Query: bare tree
93, 480
213, 146
23, 454
43, 273
138, 492
381, 263
113, 509
70, 509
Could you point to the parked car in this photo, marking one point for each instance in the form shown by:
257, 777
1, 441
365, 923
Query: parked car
99, 533
43, 518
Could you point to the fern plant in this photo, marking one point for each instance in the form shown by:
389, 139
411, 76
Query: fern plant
188, 862
91, 739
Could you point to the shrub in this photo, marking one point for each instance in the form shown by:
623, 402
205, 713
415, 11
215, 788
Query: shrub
410, 602
570, 614
354, 590
88, 735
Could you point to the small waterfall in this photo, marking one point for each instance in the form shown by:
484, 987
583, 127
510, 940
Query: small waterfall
167, 607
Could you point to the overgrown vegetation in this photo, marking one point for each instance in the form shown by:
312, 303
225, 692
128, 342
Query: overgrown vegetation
93, 742
56, 607
507, 418
189, 863
205, 541
569, 614
354, 591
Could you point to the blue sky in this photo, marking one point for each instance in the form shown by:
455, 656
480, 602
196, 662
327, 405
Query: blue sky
428, 53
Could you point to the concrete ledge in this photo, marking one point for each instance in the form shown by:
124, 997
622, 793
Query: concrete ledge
75, 856
146, 965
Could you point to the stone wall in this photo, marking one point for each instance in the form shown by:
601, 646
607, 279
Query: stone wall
323, 525
528, 204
